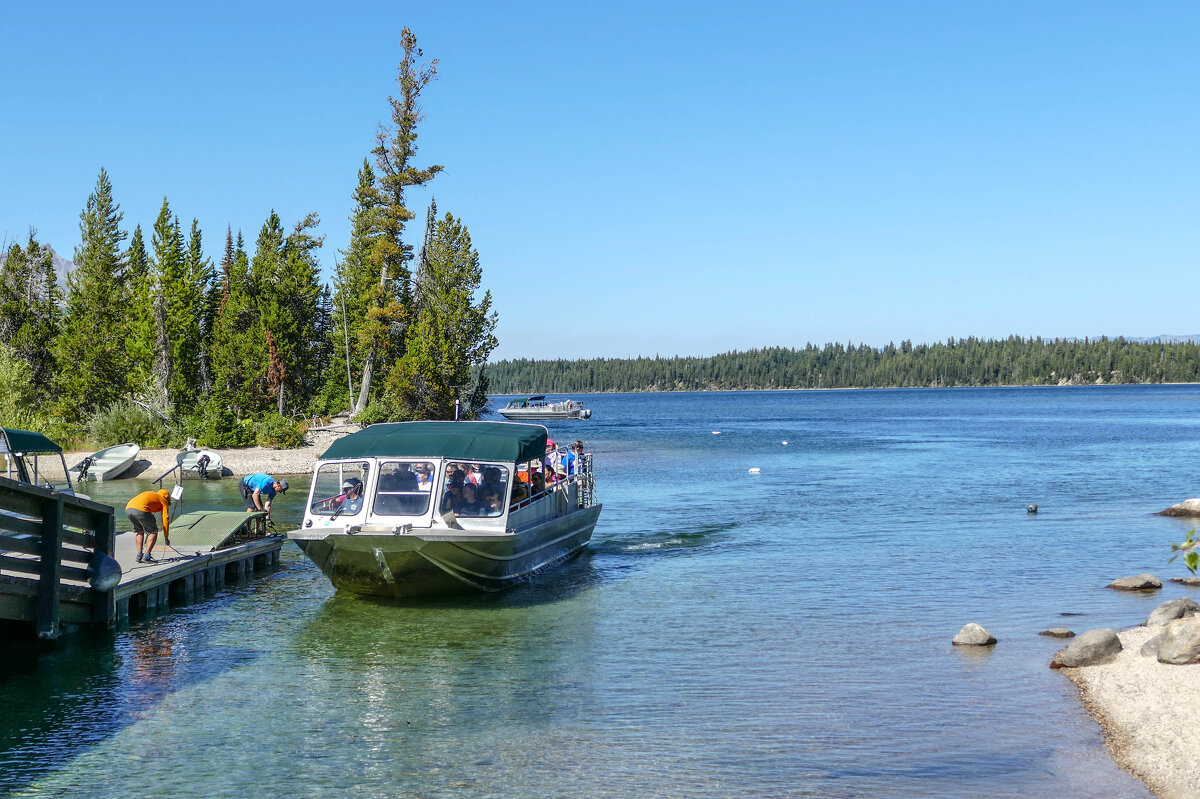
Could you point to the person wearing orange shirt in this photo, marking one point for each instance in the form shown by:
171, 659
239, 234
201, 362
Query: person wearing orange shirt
141, 510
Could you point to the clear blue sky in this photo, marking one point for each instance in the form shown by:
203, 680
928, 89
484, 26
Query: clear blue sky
662, 178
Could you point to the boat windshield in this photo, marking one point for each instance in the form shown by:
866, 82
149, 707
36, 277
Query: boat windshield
475, 489
338, 489
404, 487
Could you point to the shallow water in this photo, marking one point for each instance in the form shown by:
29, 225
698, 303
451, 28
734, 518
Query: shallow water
785, 633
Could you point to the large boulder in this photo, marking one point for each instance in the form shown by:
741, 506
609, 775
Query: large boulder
1179, 643
1187, 508
1138, 582
1093, 648
973, 634
1173, 609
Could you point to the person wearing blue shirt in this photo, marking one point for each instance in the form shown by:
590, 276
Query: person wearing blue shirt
259, 490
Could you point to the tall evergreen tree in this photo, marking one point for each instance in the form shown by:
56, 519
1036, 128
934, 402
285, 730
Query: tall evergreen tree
452, 335
142, 339
91, 348
237, 349
394, 153
200, 277
29, 308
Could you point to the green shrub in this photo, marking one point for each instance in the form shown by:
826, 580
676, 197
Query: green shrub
221, 428
278, 432
125, 421
378, 410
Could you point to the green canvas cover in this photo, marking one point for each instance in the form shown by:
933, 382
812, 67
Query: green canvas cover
505, 442
28, 441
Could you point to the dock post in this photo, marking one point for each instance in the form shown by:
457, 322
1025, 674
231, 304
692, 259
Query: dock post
49, 573
104, 609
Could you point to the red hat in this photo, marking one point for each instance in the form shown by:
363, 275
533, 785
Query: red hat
549, 442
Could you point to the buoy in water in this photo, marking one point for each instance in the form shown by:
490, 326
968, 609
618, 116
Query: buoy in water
785, 443
716, 432
754, 470
1032, 508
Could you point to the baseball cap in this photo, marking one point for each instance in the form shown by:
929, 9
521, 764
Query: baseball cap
283, 486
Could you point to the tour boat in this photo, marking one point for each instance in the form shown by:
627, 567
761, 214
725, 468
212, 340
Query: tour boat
538, 408
107, 464
427, 508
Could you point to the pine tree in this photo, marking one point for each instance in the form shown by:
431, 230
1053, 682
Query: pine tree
394, 153
141, 342
29, 308
91, 348
200, 277
452, 334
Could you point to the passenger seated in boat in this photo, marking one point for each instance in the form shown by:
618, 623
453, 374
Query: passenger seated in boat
520, 494
539, 483
424, 478
351, 500
452, 499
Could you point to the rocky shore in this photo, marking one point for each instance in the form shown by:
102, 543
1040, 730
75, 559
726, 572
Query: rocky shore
151, 463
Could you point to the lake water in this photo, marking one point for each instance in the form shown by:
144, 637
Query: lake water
785, 633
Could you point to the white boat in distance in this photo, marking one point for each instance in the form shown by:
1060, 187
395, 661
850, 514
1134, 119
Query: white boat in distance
427, 508
107, 464
202, 463
538, 408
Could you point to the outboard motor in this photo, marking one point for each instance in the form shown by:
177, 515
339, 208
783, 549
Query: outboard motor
84, 465
202, 466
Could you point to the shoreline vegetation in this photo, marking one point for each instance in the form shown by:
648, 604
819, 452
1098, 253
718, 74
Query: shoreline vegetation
969, 362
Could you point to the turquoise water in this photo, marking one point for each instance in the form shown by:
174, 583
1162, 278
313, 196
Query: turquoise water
785, 633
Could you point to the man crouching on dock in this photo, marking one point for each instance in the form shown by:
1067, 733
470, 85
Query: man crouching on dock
141, 510
259, 490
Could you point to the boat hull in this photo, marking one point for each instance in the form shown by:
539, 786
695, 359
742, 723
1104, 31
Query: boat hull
522, 415
448, 562
109, 464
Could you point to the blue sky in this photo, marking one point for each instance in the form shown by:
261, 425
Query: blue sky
649, 178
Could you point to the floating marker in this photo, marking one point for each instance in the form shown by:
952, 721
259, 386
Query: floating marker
785, 443
716, 432
754, 470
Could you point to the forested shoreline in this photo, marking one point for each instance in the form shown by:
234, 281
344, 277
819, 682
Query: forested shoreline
152, 342
1013, 361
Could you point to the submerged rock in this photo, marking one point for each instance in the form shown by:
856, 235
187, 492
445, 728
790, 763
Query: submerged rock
1093, 648
1058, 632
1138, 582
973, 634
1189, 507
1173, 609
1179, 643
1190, 582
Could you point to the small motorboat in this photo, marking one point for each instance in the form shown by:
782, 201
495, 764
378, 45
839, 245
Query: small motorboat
107, 464
538, 408
202, 463
425, 508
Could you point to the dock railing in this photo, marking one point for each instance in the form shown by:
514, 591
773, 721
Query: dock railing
56, 564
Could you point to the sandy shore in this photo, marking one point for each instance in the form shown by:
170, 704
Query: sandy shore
151, 463
1145, 709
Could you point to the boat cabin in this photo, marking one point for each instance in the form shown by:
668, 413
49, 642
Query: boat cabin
30, 457
483, 477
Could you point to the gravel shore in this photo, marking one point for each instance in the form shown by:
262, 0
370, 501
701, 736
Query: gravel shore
151, 463
1145, 709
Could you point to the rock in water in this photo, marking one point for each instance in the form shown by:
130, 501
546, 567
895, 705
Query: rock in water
1089, 649
973, 635
1189, 507
1138, 582
1058, 632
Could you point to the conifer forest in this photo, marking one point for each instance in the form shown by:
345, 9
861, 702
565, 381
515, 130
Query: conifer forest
152, 341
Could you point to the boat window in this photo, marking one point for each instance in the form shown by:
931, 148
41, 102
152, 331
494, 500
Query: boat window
404, 488
475, 489
338, 489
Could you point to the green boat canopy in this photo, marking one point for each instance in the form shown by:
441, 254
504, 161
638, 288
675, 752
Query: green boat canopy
478, 441
27, 441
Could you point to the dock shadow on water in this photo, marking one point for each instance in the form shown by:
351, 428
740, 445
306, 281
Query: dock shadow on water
64, 698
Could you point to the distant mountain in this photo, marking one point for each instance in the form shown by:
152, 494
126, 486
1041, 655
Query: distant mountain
1167, 339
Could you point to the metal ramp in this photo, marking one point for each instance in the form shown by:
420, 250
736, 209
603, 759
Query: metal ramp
217, 529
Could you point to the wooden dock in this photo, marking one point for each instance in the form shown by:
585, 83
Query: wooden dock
62, 565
